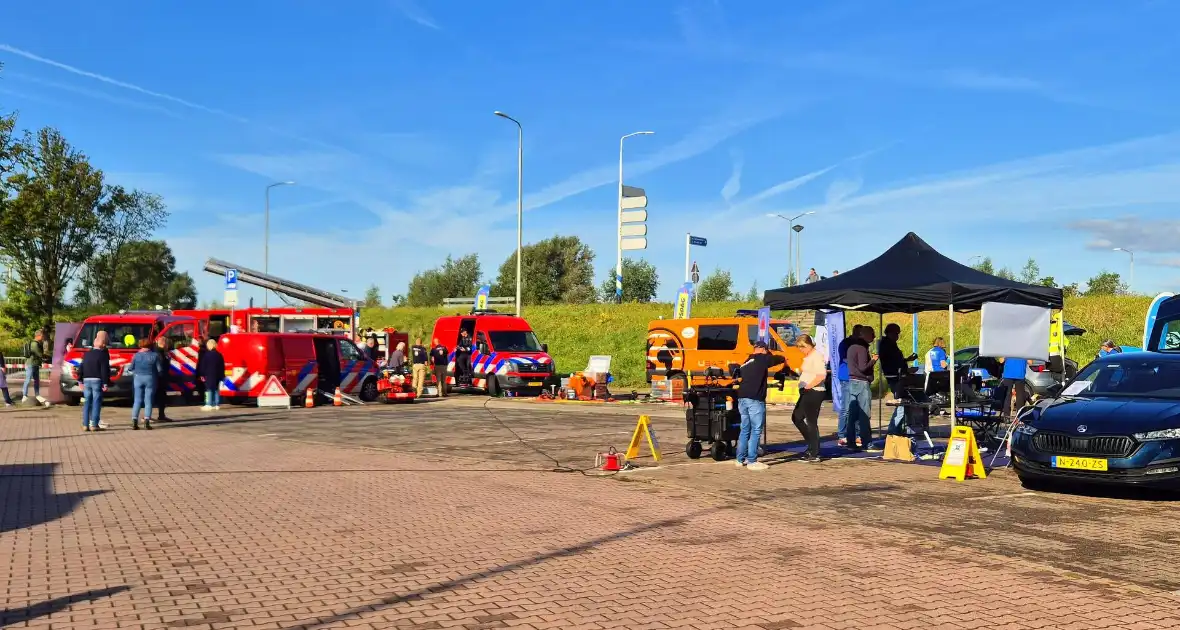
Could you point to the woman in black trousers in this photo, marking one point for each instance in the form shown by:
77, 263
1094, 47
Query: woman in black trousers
163, 379
811, 395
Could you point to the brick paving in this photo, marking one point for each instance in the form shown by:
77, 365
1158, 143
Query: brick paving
387, 519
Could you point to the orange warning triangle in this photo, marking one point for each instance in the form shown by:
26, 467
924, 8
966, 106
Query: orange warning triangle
273, 387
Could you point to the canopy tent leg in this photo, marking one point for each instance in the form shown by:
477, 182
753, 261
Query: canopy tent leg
951, 357
915, 333
881, 384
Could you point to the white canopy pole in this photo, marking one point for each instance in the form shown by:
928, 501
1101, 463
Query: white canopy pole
951, 357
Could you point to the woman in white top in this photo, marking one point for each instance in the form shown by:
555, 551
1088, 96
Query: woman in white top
811, 395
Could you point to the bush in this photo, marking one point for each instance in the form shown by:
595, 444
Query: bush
574, 332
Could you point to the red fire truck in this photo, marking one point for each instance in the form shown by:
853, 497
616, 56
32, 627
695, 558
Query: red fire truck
275, 319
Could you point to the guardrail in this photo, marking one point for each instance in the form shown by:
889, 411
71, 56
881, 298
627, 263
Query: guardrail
16, 365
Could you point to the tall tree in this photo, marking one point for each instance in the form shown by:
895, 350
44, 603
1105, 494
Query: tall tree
372, 297
986, 266
143, 276
556, 270
455, 278
1030, 272
753, 295
1005, 273
715, 287
789, 279
1105, 283
56, 208
127, 217
641, 282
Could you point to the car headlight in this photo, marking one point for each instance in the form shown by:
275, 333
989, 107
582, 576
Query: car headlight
1025, 429
1163, 434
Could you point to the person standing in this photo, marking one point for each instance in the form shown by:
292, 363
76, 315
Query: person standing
145, 371
1013, 375
811, 395
165, 379
860, 378
438, 359
35, 353
371, 351
96, 377
463, 350
418, 358
894, 366
751, 398
198, 384
4, 385
842, 374
1108, 348
211, 370
936, 358
812, 276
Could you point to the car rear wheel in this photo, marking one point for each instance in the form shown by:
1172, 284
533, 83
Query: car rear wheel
72, 400
493, 386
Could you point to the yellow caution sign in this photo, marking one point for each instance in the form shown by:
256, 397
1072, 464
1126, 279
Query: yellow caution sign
962, 459
643, 429
1057, 341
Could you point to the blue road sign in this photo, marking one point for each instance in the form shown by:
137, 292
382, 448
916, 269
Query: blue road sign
699, 241
231, 279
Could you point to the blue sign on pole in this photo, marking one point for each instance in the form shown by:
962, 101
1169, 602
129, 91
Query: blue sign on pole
698, 241
231, 279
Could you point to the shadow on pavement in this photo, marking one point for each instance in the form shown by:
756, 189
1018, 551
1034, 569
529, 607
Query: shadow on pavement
58, 604
450, 585
29, 499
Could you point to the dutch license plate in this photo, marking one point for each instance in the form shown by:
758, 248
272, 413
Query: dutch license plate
1080, 463
536, 383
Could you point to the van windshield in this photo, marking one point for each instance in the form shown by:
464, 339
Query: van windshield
514, 341
119, 335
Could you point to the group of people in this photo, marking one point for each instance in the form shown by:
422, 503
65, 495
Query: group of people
151, 378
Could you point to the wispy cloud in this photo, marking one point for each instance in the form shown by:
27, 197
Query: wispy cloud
411, 11
1133, 233
733, 185
117, 83
800, 180
95, 94
842, 189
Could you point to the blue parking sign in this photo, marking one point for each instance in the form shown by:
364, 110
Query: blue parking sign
231, 279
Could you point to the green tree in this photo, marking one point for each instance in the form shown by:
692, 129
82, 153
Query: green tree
1047, 281
986, 266
715, 287
556, 270
128, 217
789, 279
1030, 272
56, 208
753, 295
1105, 283
640, 282
138, 275
1005, 273
1071, 290
372, 297
452, 279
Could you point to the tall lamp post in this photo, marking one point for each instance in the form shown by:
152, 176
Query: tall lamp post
1131, 280
798, 230
790, 245
266, 240
619, 233
519, 199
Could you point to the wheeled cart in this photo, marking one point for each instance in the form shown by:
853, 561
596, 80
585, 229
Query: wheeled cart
711, 415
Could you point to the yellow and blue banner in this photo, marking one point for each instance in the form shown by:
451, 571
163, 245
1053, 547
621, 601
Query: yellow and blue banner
683, 302
481, 298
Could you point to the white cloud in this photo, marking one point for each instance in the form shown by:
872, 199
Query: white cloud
415, 13
842, 189
733, 185
1134, 234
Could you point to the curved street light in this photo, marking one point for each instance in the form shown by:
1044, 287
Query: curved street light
519, 199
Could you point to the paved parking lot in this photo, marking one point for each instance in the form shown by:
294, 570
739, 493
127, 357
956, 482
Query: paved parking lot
436, 515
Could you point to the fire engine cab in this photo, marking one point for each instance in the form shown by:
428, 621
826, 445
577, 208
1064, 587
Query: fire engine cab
507, 356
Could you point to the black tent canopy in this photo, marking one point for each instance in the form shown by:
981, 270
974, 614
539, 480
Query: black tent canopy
911, 277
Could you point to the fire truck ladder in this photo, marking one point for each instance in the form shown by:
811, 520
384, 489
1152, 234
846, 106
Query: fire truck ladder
294, 290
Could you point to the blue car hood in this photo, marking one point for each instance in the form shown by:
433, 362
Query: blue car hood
1108, 415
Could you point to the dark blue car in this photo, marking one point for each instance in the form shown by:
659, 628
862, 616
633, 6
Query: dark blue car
1118, 422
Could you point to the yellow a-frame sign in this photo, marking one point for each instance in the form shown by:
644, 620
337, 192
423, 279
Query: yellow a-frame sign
962, 458
643, 429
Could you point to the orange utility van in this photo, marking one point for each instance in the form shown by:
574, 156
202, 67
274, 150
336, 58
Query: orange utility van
678, 348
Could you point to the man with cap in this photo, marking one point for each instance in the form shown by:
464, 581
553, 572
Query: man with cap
751, 398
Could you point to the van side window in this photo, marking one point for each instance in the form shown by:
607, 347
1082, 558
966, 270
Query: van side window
752, 334
349, 351
717, 337
180, 336
788, 333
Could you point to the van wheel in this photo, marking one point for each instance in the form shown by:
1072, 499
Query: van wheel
369, 390
73, 401
493, 386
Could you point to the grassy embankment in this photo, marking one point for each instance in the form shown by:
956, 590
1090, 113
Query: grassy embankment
576, 332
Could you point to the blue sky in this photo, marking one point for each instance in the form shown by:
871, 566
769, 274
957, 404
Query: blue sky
1005, 129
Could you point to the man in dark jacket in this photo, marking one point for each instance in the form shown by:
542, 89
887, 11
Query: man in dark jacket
751, 395
861, 362
894, 366
164, 379
418, 359
463, 350
842, 374
438, 359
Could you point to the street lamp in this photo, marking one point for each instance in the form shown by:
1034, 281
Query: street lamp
790, 245
619, 233
1131, 280
519, 199
973, 258
798, 230
266, 240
